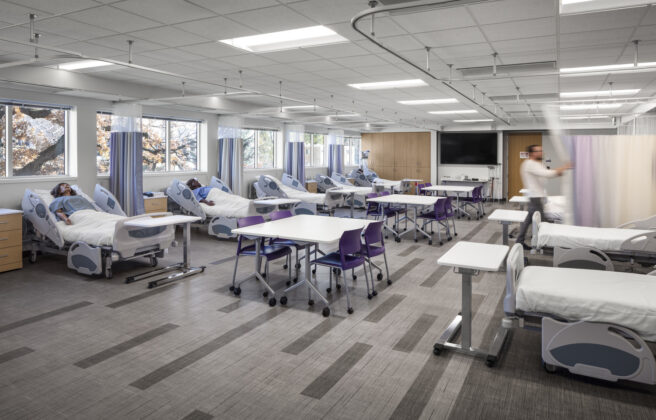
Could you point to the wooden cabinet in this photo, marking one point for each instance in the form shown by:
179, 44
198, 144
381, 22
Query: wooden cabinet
11, 240
311, 186
155, 204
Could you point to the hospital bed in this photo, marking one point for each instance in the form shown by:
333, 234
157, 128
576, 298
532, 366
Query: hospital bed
619, 243
92, 243
221, 218
324, 184
593, 323
290, 187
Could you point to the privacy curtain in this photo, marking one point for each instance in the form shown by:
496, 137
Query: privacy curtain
231, 168
126, 170
614, 179
335, 158
295, 160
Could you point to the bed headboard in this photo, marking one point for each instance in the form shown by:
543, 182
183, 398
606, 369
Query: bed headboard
292, 182
106, 201
514, 266
340, 178
360, 179
217, 183
642, 242
270, 187
182, 196
37, 212
324, 183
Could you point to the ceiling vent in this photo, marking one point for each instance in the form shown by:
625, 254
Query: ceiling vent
510, 69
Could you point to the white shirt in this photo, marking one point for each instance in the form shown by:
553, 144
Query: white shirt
534, 176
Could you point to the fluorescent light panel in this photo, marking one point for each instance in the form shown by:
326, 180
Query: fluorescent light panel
585, 117
82, 64
609, 67
474, 121
311, 36
454, 111
429, 101
596, 93
589, 106
391, 84
297, 107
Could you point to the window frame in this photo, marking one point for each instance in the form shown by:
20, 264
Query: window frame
167, 143
351, 142
309, 163
9, 139
256, 153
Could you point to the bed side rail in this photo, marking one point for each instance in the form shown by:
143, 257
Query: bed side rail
269, 187
514, 266
106, 201
535, 229
217, 183
648, 223
644, 242
587, 258
182, 196
292, 182
38, 214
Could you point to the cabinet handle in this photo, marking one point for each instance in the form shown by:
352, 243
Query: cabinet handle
4, 256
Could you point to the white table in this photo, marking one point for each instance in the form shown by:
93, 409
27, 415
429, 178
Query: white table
456, 189
348, 192
408, 200
524, 191
469, 259
308, 229
184, 268
506, 217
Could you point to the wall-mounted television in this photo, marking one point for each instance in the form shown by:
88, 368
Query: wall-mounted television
468, 148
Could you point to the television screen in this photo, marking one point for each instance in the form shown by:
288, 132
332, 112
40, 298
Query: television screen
468, 148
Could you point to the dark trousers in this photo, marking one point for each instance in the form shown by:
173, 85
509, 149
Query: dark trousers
535, 204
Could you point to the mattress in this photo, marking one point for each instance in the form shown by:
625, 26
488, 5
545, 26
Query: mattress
624, 299
228, 205
568, 236
554, 208
88, 227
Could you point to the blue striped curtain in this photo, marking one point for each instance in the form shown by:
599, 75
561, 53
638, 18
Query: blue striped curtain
335, 158
295, 160
231, 168
126, 170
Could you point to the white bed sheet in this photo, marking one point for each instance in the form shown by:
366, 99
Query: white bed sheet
306, 197
570, 236
624, 299
228, 205
90, 228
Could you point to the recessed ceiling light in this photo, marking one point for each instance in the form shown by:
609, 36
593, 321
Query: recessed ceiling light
82, 64
429, 101
474, 121
585, 117
588, 106
588, 6
609, 68
454, 111
391, 84
297, 107
593, 93
311, 36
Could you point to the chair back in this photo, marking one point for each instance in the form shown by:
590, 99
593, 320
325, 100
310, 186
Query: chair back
420, 188
440, 208
245, 222
280, 214
373, 233
373, 208
386, 192
448, 207
349, 243
476, 194
428, 184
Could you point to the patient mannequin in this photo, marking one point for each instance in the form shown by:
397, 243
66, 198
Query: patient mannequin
67, 202
199, 191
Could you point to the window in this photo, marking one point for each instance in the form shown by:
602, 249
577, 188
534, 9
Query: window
314, 149
260, 148
351, 151
38, 140
168, 145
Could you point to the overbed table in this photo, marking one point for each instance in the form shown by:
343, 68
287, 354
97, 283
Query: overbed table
348, 192
469, 259
184, 268
277, 202
308, 229
506, 217
456, 189
522, 200
408, 200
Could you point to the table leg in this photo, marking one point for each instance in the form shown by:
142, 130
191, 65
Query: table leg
352, 203
505, 233
184, 268
310, 287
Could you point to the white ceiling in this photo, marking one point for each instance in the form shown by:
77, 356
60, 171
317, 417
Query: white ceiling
180, 36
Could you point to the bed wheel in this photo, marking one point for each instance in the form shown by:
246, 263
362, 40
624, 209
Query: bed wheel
288, 282
549, 367
525, 262
153, 261
416, 240
32, 257
310, 302
369, 296
328, 290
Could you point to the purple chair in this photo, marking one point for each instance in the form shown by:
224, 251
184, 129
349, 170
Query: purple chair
438, 214
450, 214
373, 246
475, 201
348, 257
390, 210
373, 209
268, 252
422, 192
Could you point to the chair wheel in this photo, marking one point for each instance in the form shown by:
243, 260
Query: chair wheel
441, 243
283, 300
237, 291
339, 286
369, 296
379, 276
314, 271
326, 311
490, 361
298, 265
397, 239
151, 285
416, 240
287, 283
232, 288
449, 238
265, 294
437, 349
284, 267
430, 242
375, 293
310, 302
389, 281
355, 277
328, 290
349, 310
272, 302
264, 275
295, 279
455, 234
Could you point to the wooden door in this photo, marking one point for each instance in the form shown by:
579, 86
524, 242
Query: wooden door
517, 144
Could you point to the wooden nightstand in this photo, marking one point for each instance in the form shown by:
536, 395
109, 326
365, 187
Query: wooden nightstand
155, 204
11, 239
311, 186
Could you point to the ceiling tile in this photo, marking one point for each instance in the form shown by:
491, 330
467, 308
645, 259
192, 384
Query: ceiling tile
72, 29
272, 19
521, 29
337, 50
57, 6
224, 7
113, 19
216, 28
434, 20
168, 36
610, 37
332, 11
120, 42
605, 20
291, 56
526, 44
511, 10
448, 37
165, 11
212, 50
15, 14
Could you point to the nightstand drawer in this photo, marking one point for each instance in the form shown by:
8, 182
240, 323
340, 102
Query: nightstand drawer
154, 205
11, 255
11, 222
10, 238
